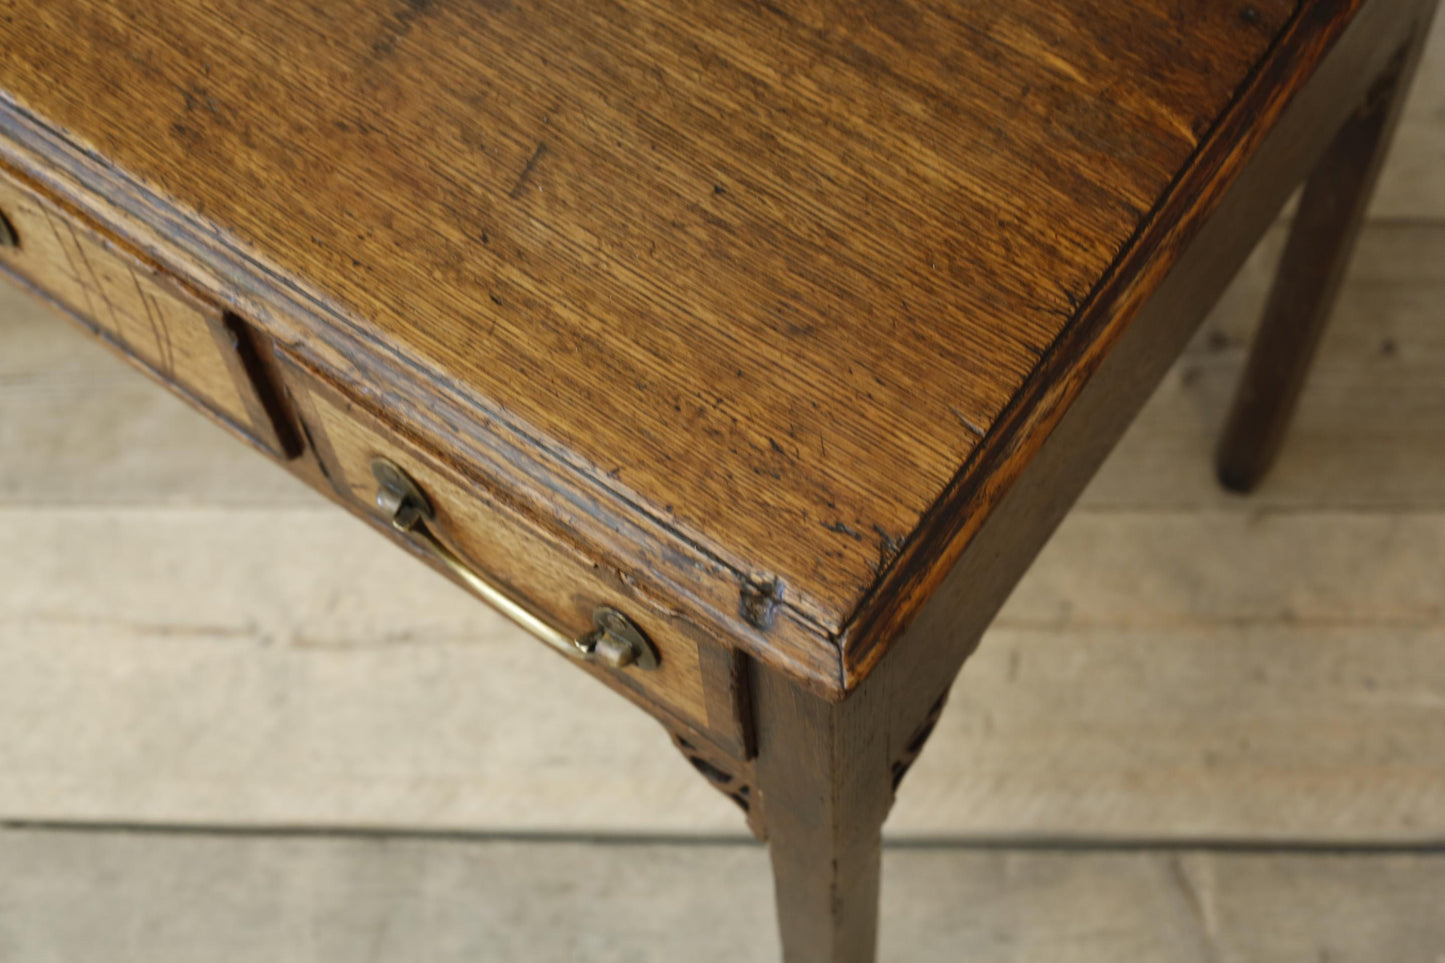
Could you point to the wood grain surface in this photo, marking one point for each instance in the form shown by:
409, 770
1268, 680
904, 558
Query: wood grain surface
980, 537
747, 279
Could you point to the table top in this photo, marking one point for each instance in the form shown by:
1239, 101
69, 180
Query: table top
757, 278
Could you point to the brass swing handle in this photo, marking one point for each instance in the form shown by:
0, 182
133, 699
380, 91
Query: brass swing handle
614, 640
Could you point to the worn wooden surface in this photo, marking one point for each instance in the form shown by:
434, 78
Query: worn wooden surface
647, 261
1370, 435
1078, 402
1294, 708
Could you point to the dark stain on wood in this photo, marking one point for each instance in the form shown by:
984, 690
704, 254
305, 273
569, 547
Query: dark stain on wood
399, 25
516, 192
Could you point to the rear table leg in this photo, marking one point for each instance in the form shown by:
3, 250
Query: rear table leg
1321, 240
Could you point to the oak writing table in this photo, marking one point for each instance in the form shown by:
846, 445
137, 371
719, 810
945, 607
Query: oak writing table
747, 353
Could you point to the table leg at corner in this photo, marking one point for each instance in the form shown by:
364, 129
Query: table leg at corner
824, 778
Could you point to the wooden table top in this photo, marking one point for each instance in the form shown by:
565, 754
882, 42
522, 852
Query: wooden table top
749, 282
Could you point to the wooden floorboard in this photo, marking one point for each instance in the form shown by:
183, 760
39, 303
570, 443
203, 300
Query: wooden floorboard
1370, 428
126, 898
1410, 186
1192, 675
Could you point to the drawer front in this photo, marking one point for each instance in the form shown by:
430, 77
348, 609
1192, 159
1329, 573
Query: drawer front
695, 682
188, 345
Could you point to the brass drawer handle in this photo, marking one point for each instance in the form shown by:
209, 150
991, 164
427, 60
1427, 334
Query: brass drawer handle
614, 640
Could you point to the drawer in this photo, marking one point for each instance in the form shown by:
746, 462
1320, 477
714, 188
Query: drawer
194, 348
696, 683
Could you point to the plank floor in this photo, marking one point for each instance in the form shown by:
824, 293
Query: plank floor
215, 898
1205, 727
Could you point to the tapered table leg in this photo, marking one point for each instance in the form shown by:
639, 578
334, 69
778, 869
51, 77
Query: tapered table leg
824, 777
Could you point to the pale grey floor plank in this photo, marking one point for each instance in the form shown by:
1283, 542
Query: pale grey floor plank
1370, 429
156, 666
120, 897
1164, 674
199, 571
1250, 733
1411, 187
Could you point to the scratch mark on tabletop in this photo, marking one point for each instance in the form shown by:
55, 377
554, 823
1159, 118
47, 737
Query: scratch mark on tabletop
526, 174
965, 422
888, 546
